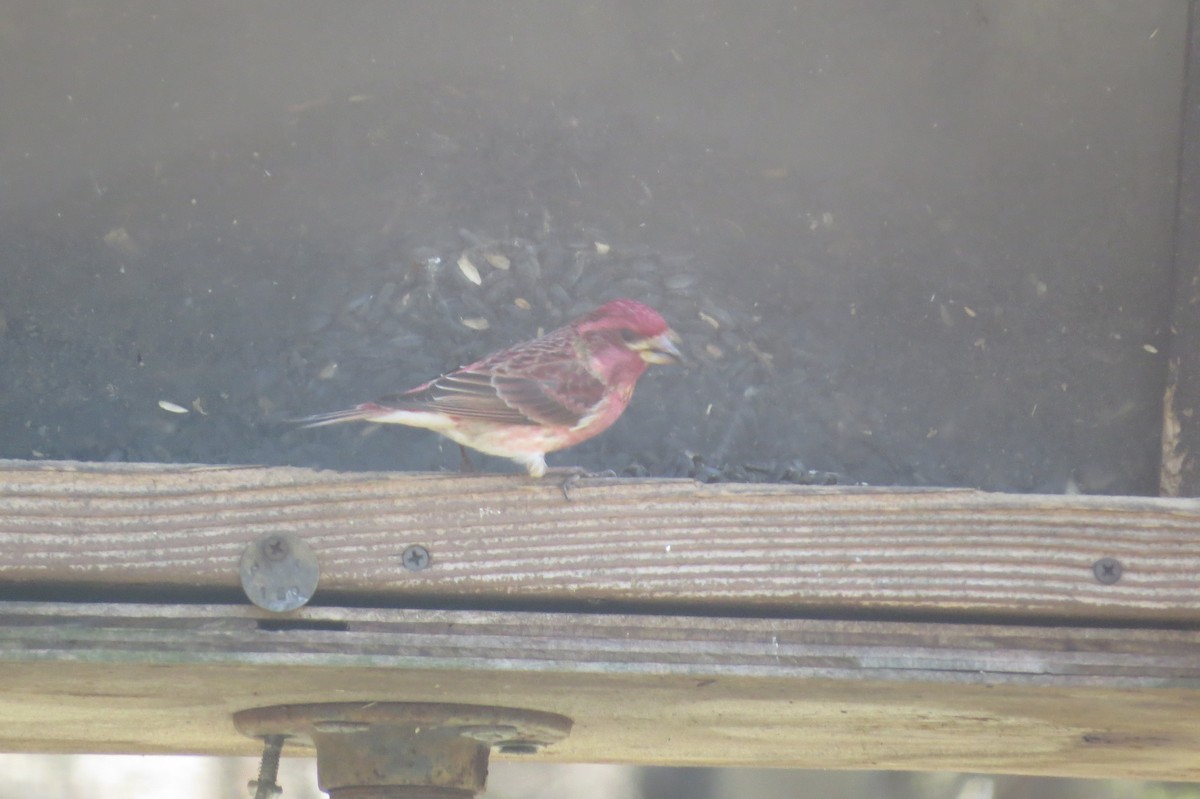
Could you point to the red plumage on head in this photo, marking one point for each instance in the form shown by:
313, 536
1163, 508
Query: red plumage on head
624, 314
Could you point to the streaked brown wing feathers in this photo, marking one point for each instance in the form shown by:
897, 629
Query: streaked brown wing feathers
507, 398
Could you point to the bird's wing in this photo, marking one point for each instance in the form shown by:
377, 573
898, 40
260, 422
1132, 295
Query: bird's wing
531, 385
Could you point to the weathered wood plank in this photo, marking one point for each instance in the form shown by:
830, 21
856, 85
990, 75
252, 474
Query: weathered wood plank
641, 689
790, 550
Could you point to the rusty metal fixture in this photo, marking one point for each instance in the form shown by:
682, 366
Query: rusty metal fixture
279, 572
402, 750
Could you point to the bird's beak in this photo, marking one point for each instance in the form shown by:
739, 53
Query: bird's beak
661, 348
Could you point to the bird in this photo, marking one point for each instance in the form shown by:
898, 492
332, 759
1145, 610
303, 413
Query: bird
538, 396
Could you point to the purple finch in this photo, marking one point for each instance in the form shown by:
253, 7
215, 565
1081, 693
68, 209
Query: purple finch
537, 396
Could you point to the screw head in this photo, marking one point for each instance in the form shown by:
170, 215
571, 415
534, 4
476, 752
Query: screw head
1107, 570
274, 547
267, 790
416, 558
279, 572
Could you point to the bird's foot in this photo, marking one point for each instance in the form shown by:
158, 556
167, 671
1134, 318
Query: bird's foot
573, 474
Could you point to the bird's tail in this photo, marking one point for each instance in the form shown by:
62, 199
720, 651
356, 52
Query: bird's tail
359, 413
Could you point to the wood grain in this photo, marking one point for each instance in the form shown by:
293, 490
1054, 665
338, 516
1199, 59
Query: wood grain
641, 689
661, 543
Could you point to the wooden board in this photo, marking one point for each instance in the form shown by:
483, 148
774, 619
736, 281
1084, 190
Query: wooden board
825, 628
641, 689
652, 544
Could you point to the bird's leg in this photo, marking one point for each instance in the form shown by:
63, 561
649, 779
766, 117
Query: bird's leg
466, 466
572, 475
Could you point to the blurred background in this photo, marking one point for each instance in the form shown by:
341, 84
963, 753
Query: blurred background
90, 776
911, 244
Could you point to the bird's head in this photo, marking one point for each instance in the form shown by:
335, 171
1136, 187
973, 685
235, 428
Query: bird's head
637, 327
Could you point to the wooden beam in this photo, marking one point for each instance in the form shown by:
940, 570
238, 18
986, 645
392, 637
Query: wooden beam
1099, 679
848, 552
681, 690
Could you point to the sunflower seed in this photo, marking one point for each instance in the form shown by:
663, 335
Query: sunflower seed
120, 240
498, 260
171, 407
560, 298
476, 323
553, 255
540, 298
359, 304
473, 305
720, 314
499, 291
527, 269
676, 260
592, 284
468, 270
471, 238
633, 287
403, 303
406, 342
572, 270
679, 282
644, 268
765, 359
381, 305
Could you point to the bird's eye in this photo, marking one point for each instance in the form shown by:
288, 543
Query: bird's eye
629, 336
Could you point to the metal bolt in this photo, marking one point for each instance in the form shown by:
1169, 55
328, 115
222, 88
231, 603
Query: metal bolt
416, 558
265, 786
394, 749
1107, 570
279, 572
